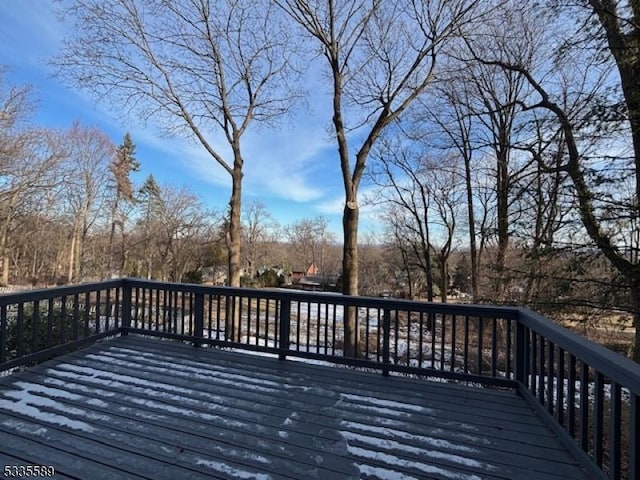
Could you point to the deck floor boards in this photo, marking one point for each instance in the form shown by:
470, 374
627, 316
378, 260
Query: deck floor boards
144, 408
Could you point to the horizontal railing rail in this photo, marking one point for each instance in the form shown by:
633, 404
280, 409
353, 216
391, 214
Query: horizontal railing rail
587, 393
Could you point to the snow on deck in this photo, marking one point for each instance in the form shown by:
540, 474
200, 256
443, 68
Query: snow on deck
143, 408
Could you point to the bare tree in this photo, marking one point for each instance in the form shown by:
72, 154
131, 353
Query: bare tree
257, 232
310, 238
89, 152
29, 167
381, 56
150, 201
122, 165
202, 68
606, 203
456, 128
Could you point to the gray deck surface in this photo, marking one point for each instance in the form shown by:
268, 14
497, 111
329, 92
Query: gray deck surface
144, 408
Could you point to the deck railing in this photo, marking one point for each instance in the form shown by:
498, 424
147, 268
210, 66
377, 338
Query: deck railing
586, 393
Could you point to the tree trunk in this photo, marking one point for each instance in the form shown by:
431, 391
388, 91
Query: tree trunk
444, 280
72, 254
233, 238
472, 228
502, 193
4, 255
112, 235
233, 235
350, 275
635, 301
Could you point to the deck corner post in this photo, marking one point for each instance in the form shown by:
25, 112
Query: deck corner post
284, 328
521, 353
198, 319
126, 308
386, 341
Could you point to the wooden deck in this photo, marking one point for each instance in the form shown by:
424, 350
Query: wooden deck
157, 409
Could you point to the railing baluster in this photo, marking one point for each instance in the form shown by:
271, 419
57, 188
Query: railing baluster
466, 343
508, 353
421, 340
63, 321
615, 431
50, 322
326, 329
480, 344
494, 346
453, 343
35, 327
218, 315
432, 329
298, 315
598, 414
198, 318
258, 321
126, 308
333, 328
308, 328
396, 335
534, 363
560, 388
542, 371
443, 329
386, 341
97, 327
20, 325
76, 317
87, 312
571, 397
550, 377
183, 314
584, 406
521, 357
285, 322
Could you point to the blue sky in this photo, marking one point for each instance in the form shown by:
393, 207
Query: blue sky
293, 168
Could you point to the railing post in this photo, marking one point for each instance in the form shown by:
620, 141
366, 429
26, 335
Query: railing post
386, 340
522, 355
198, 319
284, 328
126, 308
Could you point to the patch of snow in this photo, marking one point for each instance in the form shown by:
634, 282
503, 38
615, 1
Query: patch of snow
95, 402
392, 460
386, 444
423, 439
118, 380
163, 367
47, 391
383, 473
51, 380
187, 412
23, 427
387, 403
26, 403
231, 471
382, 411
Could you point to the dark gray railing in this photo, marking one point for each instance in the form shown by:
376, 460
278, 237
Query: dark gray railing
39, 324
586, 393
